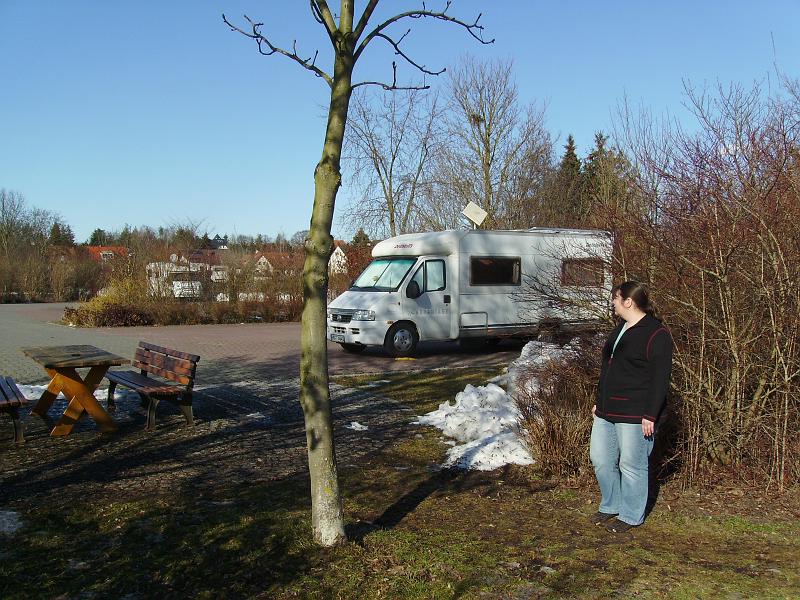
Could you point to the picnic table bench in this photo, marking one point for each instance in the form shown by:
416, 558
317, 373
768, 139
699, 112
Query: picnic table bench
11, 399
177, 367
61, 363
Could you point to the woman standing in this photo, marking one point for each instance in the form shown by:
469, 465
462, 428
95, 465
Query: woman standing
631, 393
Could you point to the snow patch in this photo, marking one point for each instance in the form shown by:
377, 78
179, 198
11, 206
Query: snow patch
34, 392
484, 420
356, 426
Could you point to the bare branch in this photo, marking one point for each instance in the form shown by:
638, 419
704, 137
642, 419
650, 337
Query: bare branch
325, 16
315, 12
365, 17
393, 86
474, 29
267, 48
396, 45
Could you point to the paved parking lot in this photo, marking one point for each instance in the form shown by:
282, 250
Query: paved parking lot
248, 421
230, 353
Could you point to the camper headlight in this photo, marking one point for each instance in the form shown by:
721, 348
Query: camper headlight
364, 315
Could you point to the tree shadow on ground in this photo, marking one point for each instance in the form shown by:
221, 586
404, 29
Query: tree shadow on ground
404, 505
241, 435
190, 545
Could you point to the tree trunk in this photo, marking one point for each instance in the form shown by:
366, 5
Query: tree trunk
326, 506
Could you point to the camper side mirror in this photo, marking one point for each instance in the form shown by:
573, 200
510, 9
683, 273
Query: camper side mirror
413, 291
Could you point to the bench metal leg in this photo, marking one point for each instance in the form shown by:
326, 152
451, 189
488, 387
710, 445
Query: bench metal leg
186, 409
112, 385
16, 423
152, 403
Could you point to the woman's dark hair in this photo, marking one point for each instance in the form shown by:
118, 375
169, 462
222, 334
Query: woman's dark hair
638, 292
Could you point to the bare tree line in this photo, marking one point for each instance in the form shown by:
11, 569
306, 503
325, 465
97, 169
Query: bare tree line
29, 270
40, 260
418, 157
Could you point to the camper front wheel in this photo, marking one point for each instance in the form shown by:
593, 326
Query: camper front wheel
401, 340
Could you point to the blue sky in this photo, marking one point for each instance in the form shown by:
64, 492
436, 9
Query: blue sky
153, 112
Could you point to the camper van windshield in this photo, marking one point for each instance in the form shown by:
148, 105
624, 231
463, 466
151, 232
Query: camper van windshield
383, 274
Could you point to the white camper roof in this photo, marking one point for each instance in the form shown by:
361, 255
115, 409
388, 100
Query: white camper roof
444, 243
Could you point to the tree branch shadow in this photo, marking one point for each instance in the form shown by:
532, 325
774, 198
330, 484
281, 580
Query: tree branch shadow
404, 505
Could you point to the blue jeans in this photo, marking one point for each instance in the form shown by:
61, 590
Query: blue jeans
619, 453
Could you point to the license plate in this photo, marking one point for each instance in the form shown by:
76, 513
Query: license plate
337, 337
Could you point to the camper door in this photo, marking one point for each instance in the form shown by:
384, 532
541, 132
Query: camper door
431, 310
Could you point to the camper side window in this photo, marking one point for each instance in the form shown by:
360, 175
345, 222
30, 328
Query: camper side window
582, 272
434, 276
430, 276
494, 270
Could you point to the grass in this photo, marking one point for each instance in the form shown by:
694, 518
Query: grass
414, 389
415, 532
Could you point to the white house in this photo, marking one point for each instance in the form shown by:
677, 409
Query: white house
338, 262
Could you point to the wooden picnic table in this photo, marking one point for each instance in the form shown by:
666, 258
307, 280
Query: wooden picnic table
61, 364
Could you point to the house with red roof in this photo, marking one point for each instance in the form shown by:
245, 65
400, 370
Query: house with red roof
104, 254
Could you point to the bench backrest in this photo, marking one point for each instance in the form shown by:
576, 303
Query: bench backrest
167, 363
10, 396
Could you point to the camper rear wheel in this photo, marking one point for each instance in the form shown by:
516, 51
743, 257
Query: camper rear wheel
401, 339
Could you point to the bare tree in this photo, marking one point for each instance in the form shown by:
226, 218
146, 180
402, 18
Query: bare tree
299, 237
497, 150
24, 243
12, 216
33, 249
349, 38
391, 141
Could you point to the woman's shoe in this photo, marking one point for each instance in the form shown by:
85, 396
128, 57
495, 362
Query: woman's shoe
617, 526
599, 518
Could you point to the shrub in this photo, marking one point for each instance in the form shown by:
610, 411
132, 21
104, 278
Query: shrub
226, 312
107, 314
555, 399
177, 312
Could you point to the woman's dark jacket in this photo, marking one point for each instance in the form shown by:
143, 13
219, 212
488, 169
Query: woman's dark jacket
635, 380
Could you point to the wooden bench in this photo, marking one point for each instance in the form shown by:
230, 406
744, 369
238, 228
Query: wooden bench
11, 399
172, 365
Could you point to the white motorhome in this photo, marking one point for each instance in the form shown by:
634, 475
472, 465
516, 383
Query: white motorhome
473, 285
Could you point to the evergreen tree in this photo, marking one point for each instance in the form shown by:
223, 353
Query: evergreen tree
99, 237
360, 238
570, 166
125, 237
61, 234
607, 174
185, 238
569, 186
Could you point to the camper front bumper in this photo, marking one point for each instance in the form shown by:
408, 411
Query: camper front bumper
365, 333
